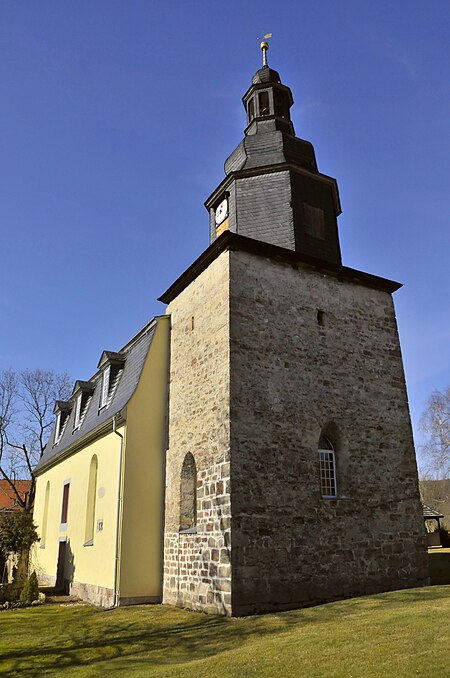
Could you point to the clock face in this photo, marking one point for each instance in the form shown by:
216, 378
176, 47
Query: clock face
221, 212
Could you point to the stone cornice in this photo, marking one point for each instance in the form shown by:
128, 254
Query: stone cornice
233, 241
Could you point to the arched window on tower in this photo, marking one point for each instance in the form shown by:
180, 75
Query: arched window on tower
188, 494
327, 469
45, 516
90, 504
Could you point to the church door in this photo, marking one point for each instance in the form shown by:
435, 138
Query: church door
60, 568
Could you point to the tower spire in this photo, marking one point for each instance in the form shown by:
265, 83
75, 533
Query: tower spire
273, 190
264, 47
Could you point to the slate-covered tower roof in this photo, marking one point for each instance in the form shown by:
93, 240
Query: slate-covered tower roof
273, 190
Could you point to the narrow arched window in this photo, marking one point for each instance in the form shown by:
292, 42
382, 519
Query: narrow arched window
90, 504
327, 468
188, 493
45, 516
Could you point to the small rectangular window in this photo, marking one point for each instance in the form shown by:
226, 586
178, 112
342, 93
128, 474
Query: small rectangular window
65, 503
314, 221
58, 427
263, 100
105, 386
280, 106
251, 110
327, 474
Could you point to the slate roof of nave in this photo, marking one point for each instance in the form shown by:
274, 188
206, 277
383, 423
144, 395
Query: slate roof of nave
93, 417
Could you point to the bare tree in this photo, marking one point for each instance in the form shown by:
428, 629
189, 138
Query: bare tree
435, 423
26, 417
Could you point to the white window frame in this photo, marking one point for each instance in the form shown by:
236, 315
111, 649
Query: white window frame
58, 428
106, 375
322, 470
63, 526
78, 411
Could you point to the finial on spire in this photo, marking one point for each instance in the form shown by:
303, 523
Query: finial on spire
264, 47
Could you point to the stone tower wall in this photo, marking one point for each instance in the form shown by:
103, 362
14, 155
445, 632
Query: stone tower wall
197, 565
291, 380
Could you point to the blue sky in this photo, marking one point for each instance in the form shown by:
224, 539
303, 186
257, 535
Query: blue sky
117, 116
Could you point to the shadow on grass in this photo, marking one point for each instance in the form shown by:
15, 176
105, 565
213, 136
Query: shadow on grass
163, 636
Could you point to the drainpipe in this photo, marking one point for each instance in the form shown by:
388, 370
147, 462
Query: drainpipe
119, 506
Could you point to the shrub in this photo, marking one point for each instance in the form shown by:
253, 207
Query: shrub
30, 591
17, 532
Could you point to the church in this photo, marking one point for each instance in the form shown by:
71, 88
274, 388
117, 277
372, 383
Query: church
251, 450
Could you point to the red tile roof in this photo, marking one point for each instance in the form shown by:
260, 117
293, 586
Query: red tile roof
8, 499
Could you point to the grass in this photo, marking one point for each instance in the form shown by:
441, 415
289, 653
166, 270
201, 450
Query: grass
399, 634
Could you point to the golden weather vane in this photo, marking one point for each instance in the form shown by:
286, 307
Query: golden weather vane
265, 46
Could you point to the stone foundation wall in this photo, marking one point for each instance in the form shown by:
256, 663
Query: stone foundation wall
197, 564
197, 571
294, 376
45, 579
97, 595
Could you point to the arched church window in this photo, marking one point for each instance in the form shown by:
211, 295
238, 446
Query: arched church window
188, 494
327, 468
90, 504
45, 516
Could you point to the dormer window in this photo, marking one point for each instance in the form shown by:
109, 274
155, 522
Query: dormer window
77, 411
82, 393
62, 411
58, 427
105, 385
111, 365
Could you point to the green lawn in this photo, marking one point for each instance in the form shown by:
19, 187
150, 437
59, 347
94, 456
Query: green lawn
398, 634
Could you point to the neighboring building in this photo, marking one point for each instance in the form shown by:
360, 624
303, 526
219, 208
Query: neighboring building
289, 468
8, 498
9, 502
100, 484
433, 525
436, 494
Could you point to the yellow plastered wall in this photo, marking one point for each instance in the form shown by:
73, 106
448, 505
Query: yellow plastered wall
144, 468
90, 564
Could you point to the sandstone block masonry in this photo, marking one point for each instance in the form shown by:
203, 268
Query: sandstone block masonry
267, 356
197, 567
312, 355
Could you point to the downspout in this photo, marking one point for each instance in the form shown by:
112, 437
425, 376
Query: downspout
119, 506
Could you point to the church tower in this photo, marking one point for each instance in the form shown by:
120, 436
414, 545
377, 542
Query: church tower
273, 190
290, 471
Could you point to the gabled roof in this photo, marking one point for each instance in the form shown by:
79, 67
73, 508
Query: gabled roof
133, 354
110, 357
8, 499
85, 386
429, 513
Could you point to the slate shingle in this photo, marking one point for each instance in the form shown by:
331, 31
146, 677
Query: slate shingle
135, 353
